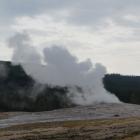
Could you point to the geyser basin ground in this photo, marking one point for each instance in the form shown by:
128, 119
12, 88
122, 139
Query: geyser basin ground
100, 121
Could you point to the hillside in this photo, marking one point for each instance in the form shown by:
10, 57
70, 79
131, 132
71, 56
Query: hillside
19, 92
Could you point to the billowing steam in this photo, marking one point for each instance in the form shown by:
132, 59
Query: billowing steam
62, 69
3, 71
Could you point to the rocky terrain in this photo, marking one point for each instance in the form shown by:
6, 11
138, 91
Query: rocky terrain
97, 122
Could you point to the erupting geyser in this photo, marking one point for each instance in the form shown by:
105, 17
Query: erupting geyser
83, 79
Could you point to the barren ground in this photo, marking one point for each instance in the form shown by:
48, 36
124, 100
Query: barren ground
97, 122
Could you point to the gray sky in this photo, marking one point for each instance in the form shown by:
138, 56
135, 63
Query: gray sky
106, 31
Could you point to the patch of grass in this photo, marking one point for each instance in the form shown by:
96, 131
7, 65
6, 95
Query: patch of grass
117, 128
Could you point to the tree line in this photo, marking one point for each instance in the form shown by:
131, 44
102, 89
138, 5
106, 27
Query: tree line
126, 88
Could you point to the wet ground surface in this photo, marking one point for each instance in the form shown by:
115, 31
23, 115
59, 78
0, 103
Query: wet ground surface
96, 111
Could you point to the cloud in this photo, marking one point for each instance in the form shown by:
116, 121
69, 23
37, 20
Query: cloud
96, 29
80, 12
105, 44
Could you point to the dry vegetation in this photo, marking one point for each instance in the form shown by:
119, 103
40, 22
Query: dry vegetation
105, 129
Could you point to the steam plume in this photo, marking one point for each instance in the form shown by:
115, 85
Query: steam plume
62, 69
3, 71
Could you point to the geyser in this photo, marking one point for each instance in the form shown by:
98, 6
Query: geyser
83, 79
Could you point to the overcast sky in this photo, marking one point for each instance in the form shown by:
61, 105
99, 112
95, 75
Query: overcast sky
106, 31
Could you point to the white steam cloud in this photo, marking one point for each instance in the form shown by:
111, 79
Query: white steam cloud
62, 69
